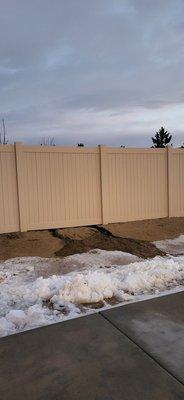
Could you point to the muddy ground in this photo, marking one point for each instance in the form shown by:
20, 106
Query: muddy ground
133, 237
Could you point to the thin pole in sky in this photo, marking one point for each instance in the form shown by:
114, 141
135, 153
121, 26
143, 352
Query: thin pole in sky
4, 133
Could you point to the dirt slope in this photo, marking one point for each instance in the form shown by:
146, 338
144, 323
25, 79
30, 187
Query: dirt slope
133, 237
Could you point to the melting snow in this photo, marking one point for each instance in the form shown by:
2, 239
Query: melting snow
28, 301
100, 258
171, 246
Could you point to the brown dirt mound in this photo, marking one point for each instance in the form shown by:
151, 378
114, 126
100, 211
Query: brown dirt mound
102, 241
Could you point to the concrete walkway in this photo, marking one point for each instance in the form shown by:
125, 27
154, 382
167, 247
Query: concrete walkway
157, 327
133, 352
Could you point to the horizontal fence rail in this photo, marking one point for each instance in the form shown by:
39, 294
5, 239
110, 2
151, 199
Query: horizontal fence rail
44, 187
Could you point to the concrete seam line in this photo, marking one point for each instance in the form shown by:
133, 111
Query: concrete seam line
143, 350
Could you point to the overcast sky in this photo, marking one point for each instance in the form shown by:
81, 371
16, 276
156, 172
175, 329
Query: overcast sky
92, 71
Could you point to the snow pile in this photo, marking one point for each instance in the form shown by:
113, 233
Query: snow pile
100, 258
32, 267
89, 287
27, 302
171, 246
134, 279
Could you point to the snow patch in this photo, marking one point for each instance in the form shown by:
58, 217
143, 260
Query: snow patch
171, 246
28, 302
100, 258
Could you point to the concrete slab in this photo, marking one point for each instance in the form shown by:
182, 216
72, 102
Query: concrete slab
157, 326
82, 359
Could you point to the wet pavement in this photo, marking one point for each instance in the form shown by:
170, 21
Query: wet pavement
132, 352
157, 327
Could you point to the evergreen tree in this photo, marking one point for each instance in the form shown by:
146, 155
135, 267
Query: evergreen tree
162, 138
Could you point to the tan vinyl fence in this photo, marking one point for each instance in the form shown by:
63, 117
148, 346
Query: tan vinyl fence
45, 187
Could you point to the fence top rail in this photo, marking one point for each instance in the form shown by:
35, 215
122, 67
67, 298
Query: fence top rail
57, 149
178, 151
87, 150
7, 148
133, 150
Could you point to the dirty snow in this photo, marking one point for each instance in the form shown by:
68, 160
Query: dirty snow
37, 266
171, 246
28, 300
100, 258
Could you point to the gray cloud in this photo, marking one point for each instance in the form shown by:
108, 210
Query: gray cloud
107, 70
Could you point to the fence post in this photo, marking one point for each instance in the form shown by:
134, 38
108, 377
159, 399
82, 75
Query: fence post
103, 183
21, 205
169, 187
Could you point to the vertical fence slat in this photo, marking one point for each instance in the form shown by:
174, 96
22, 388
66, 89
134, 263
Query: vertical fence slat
20, 186
103, 183
9, 214
169, 179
